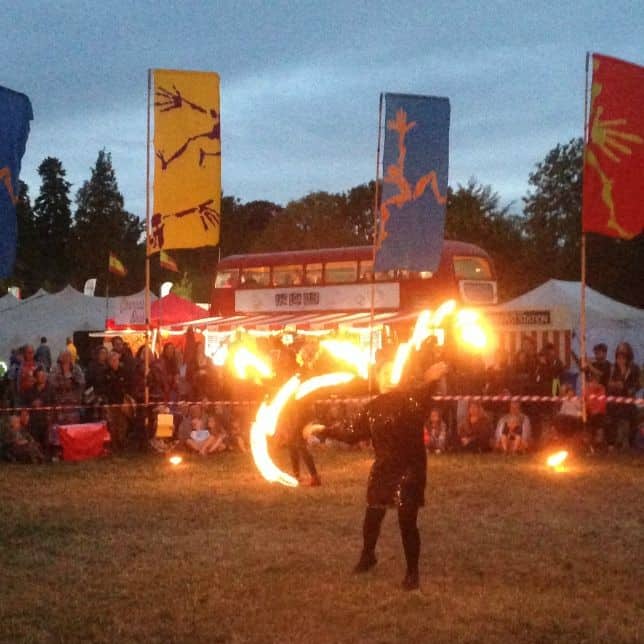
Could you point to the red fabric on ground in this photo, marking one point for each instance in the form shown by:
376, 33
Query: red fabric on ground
83, 441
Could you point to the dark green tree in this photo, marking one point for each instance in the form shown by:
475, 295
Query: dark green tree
27, 270
243, 224
53, 220
358, 211
552, 211
318, 220
101, 225
475, 215
553, 232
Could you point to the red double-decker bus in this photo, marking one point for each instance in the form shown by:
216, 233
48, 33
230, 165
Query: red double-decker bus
342, 279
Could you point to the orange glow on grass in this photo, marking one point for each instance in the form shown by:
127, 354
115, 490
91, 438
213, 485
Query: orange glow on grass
175, 460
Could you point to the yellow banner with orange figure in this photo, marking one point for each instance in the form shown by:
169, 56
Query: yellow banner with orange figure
187, 160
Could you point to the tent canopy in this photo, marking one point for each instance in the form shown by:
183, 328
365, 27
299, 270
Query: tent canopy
607, 320
55, 316
174, 309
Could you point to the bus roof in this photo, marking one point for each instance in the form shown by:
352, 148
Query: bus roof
314, 256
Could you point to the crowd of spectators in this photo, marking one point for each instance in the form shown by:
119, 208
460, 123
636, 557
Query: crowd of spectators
211, 413
42, 394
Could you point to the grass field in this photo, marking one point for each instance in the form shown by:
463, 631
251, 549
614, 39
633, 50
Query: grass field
130, 550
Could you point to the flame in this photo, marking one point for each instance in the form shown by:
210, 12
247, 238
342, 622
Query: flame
445, 309
175, 460
422, 330
265, 423
349, 353
471, 329
244, 360
327, 380
402, 354
557, 459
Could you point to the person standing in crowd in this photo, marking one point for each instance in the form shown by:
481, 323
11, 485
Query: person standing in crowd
68, 383
126, 361
394, 422
43, 354
600, 366
524, 367
475, 432
166, 369
549, 370
624, 381
38, 396
96, 371
73, 351
26, 372
115, 390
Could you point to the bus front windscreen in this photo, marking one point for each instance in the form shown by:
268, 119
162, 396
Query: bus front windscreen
472, 268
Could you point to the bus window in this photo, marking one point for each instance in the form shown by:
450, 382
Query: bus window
227, 279
340, 272
472, 268
290, 275
366, 270
384, 276
313, 274
259, 276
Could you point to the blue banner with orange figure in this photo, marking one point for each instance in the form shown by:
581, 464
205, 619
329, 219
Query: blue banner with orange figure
414, 194
15, 114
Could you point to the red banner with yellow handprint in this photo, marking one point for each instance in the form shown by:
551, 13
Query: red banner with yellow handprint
614, 153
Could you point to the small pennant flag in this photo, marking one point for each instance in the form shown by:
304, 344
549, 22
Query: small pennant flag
116, 266
167, 262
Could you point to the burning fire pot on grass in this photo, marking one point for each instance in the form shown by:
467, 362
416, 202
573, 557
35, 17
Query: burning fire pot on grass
556, 461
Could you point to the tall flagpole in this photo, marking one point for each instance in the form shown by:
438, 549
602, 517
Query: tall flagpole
376, 199
147, 255
582, 316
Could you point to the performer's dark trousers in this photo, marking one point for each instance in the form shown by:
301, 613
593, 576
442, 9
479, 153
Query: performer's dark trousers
407, 518
298, 449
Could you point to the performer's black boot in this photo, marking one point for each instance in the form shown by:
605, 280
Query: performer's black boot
411, 544
370, 531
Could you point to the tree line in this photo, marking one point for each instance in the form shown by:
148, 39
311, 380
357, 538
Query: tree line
529, 243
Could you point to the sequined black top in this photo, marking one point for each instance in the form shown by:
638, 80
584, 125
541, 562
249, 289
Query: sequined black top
394, 423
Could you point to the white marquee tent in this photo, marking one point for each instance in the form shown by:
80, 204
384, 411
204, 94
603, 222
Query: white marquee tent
56, 316
551, 313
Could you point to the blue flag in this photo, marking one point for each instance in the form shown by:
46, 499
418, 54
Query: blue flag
15, 114
414, 194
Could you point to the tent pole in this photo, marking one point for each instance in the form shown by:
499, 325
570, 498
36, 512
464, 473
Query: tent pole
147, 250
376, 199
582, 316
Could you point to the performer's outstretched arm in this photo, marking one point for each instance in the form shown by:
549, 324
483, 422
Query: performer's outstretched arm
358, 430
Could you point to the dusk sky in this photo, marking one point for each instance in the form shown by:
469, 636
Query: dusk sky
300, 82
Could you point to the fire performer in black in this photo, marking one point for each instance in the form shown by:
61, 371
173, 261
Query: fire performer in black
394, 423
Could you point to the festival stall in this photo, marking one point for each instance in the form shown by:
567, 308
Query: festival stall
551, 313
54, 315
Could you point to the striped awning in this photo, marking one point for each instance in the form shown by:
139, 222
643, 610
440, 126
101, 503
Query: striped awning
303, 321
